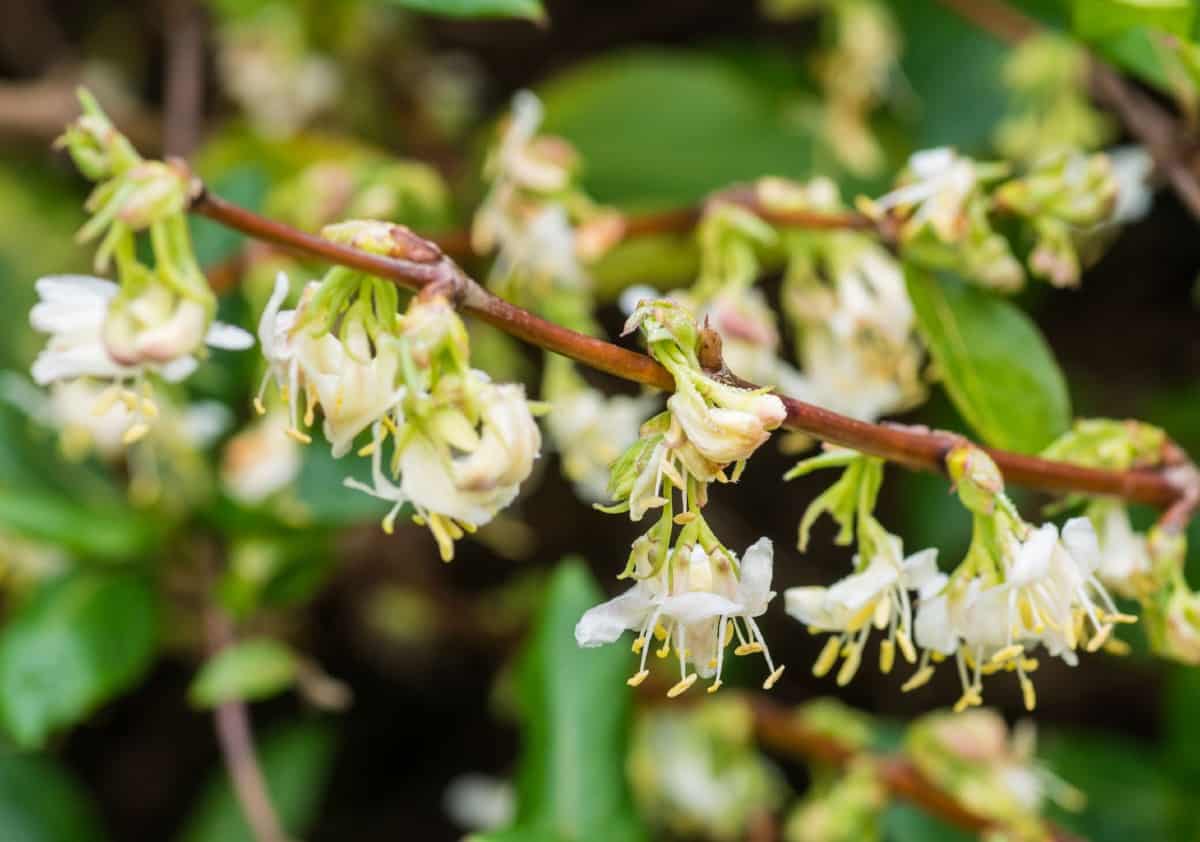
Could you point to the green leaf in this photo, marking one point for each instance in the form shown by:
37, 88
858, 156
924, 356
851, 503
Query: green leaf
41, 803
575, 714
905, 823
661, 126
247, 671
1096, 20
74, 645
295, 761
529, 9
1129, 795
997, 368
91, 531
959, 108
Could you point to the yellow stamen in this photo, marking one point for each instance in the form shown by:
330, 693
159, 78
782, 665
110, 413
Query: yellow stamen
682, 687
748, 649
773, 677
715, 686
849, 667
134, 433
918, 679
1029, 694
1099, 639
300, 436
887, 656
258, 406
1008, 653
827, 658
906, 647
684, 518
635, 680
1113, 646
639, 645
368, 448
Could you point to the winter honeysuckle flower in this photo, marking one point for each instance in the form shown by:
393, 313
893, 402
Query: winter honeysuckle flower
750, 339
1049, 596
275, 337
1125, 564
591, 430
96, 334
697, 602
725, 423
875, 595
455, 476
935, 189
352, 379
974, 757
260, 460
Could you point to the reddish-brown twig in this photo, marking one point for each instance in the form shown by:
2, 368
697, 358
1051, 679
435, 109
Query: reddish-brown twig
911, 447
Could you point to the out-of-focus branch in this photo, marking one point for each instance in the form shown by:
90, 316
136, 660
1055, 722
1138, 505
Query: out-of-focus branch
184, 34
38, 110
781, 731
425, 267
236, 737
1165, 136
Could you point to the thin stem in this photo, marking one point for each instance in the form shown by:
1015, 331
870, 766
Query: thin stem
236, 738
911, 447
779, 729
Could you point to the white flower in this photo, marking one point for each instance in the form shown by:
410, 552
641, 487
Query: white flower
275, 329
1049, 596
260, 460
691, 604
940, 183
94, 334
875, 595
724, 423
590, 431
452, 492
1124, 553
1132, 167
353, 383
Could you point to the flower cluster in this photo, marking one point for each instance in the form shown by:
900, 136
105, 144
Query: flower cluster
157, 321
992, 773
943, 211
1019, 587
461, 445
1052, 112
542, 228
697, 773
846, 298
691, 592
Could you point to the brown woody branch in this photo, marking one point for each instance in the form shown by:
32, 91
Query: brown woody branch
420, 264
780, 730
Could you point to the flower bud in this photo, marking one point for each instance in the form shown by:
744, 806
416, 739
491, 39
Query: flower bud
976, 477
383, 238
1181, 631
159, 190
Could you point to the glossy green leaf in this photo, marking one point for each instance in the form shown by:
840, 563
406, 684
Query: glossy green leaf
575, 712
662, 126
997, 368
295, 761
39, 802
1095, 20
530, 9
74, 645
247, 671
1129, 794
